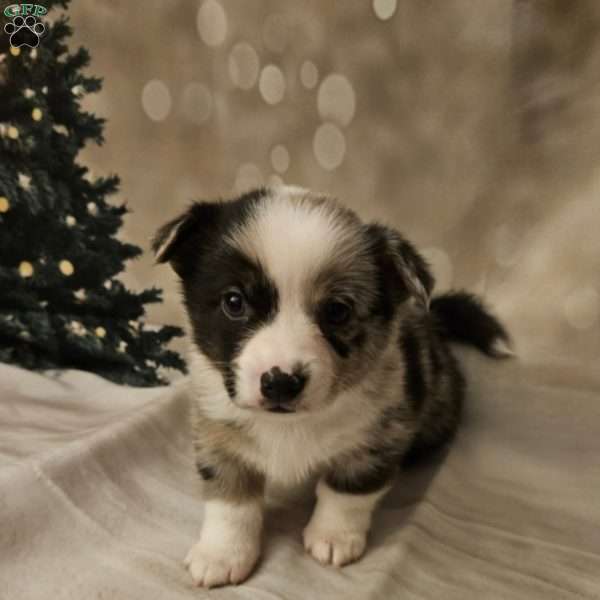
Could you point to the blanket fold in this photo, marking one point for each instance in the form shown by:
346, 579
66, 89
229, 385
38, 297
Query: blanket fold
99, 497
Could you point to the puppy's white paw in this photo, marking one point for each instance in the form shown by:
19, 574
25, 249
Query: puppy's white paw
211, 565
331, 547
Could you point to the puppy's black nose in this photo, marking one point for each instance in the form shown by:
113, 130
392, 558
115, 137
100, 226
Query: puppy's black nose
281, 387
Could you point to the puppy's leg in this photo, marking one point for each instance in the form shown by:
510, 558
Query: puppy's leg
229, 543
337, 531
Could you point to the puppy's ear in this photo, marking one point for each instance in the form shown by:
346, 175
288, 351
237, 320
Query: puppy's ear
179, 240
408, 265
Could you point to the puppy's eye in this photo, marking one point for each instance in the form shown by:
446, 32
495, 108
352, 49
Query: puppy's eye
337, 312
233, 304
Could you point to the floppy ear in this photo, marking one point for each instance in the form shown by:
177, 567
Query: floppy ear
183, 237
408, 264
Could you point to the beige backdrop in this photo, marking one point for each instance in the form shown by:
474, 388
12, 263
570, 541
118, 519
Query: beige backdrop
474, 127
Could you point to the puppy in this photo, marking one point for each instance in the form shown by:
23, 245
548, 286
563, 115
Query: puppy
315, 351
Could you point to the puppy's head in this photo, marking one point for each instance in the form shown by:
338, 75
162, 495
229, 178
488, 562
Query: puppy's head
290, 296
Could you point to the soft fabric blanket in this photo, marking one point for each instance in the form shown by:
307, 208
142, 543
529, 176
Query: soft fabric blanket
99, 498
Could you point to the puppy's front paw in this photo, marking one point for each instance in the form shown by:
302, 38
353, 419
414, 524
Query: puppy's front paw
212, 565
331, 547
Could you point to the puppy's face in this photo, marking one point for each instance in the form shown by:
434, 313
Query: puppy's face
289, 295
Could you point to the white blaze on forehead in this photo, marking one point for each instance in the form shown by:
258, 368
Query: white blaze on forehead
293, 238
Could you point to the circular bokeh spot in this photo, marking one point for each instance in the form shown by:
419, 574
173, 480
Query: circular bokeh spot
243, 65
309, 74
280, 158
329, 146
384, 9
247, 178
582, 308
272, 84
156, 100
336, 100
212, 23
196, 103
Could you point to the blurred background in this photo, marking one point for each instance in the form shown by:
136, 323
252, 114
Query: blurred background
473, 127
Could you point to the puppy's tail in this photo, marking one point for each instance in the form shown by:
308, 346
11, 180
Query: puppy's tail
463, 318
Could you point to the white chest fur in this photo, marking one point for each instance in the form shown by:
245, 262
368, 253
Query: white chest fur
289, 452
288, 449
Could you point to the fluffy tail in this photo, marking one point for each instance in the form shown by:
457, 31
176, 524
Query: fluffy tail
463, 318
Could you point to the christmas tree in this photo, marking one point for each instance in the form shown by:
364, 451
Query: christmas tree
61, 304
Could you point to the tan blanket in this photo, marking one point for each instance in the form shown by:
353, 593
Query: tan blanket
99, 498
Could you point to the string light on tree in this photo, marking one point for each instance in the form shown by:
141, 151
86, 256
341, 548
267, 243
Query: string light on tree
66, 267
77, 328
25, 269
24, 181
56, 218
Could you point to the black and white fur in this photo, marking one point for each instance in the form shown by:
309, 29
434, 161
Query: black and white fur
315, 351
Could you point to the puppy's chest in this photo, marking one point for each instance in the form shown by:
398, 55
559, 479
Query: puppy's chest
290, 454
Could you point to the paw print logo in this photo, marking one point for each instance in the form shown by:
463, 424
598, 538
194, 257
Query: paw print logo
25, 31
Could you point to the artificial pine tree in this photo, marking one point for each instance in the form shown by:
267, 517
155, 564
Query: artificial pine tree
61, 304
